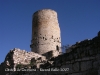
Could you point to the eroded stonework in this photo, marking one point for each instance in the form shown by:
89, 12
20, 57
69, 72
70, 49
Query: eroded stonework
22, 56
82, 58
17, 56
45, 32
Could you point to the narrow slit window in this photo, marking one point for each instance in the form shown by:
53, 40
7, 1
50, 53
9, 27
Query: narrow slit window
57, 48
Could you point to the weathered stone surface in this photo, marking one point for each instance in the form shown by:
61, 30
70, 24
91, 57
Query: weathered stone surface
52, 53
45, 32
79, 60
75, 74
98, 56
82, 58
95, 64
76, 67
17, 56
86, 65
85, 58
99, 71
70, 68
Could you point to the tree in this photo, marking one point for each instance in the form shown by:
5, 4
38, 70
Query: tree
65, 47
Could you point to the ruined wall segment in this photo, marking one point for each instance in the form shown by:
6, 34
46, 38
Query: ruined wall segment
17, 57
45, 32
82, 58
21, 57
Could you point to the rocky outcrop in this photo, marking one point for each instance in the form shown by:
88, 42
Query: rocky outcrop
17, 56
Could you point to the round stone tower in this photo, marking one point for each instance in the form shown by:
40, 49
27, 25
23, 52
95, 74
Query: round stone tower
45, 32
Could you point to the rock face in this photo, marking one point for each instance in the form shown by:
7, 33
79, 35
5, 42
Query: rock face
45, 32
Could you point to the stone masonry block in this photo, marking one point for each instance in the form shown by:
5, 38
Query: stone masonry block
70, 67
86, 65
76, 67
99, 71
98, 56
96, 64
75, 74
85, 58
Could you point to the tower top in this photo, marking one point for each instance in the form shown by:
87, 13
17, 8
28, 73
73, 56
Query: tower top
45, 10
44, 16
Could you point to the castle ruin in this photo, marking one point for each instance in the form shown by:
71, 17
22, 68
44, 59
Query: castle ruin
45, 32
82, 58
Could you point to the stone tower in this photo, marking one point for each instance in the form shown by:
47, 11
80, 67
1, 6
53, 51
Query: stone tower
45, 32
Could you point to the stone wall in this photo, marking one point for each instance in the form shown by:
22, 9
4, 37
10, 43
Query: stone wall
52, 53
82, 58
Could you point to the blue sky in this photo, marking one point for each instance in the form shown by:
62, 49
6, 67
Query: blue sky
78, 20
